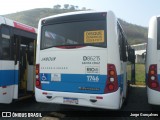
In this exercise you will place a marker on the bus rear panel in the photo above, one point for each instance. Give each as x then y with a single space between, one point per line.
78 61
153 62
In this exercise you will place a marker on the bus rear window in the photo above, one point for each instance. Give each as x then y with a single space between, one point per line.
85 33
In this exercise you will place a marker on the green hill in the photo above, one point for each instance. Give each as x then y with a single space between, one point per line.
31 17
135 34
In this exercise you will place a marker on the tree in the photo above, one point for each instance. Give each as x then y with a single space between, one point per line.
72 7
76 7
56 6
66 6
84 8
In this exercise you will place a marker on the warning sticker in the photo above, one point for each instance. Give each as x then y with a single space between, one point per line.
94 36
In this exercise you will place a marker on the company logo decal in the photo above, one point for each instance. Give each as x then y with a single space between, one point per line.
89 88
92 69
91 60
48 59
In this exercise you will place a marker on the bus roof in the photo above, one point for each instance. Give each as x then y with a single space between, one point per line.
18 25
157 16
74 13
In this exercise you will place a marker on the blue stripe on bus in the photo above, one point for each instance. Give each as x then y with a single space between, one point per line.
74 83
120 82
159 78
8 77
78 78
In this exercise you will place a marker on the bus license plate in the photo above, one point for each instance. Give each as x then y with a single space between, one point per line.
70 100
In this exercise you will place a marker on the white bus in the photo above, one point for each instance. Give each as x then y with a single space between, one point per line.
153 62
81 60
17 56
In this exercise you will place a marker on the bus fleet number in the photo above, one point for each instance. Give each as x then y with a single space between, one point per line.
92 78
91 58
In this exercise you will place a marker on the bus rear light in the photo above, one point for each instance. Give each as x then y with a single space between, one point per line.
154 84
152 72
152 80
110 87
111 72
4 86
112 79
99 97
38 82
4 93
44 93
37 71
153 77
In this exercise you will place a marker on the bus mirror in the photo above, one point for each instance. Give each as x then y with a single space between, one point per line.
131 55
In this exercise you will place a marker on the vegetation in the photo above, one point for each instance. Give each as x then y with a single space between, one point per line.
139 73
135 34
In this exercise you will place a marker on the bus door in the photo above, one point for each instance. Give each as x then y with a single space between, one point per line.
22 70
25 59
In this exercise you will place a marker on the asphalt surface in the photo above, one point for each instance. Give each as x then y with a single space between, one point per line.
136 104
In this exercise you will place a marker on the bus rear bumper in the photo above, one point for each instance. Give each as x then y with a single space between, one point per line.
104 101
153 96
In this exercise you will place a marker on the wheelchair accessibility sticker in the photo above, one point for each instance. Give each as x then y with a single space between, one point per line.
45 77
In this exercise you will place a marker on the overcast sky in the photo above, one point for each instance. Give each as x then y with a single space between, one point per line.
136 11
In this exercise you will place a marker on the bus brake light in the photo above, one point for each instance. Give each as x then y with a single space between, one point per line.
153 78
154 85
38 82
112 79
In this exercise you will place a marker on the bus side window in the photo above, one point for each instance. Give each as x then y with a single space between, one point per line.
122 45
5 44
5 49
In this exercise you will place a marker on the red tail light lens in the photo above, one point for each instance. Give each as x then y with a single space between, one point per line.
153 78
112 79
38 82
111 87
154 85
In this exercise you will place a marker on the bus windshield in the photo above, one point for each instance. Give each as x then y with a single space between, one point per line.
82 33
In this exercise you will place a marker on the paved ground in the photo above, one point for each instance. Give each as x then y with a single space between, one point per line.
136 104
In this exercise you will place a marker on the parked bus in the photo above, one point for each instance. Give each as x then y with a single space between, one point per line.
17 56
153 61
81 60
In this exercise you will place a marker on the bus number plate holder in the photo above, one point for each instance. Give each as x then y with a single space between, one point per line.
70 100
